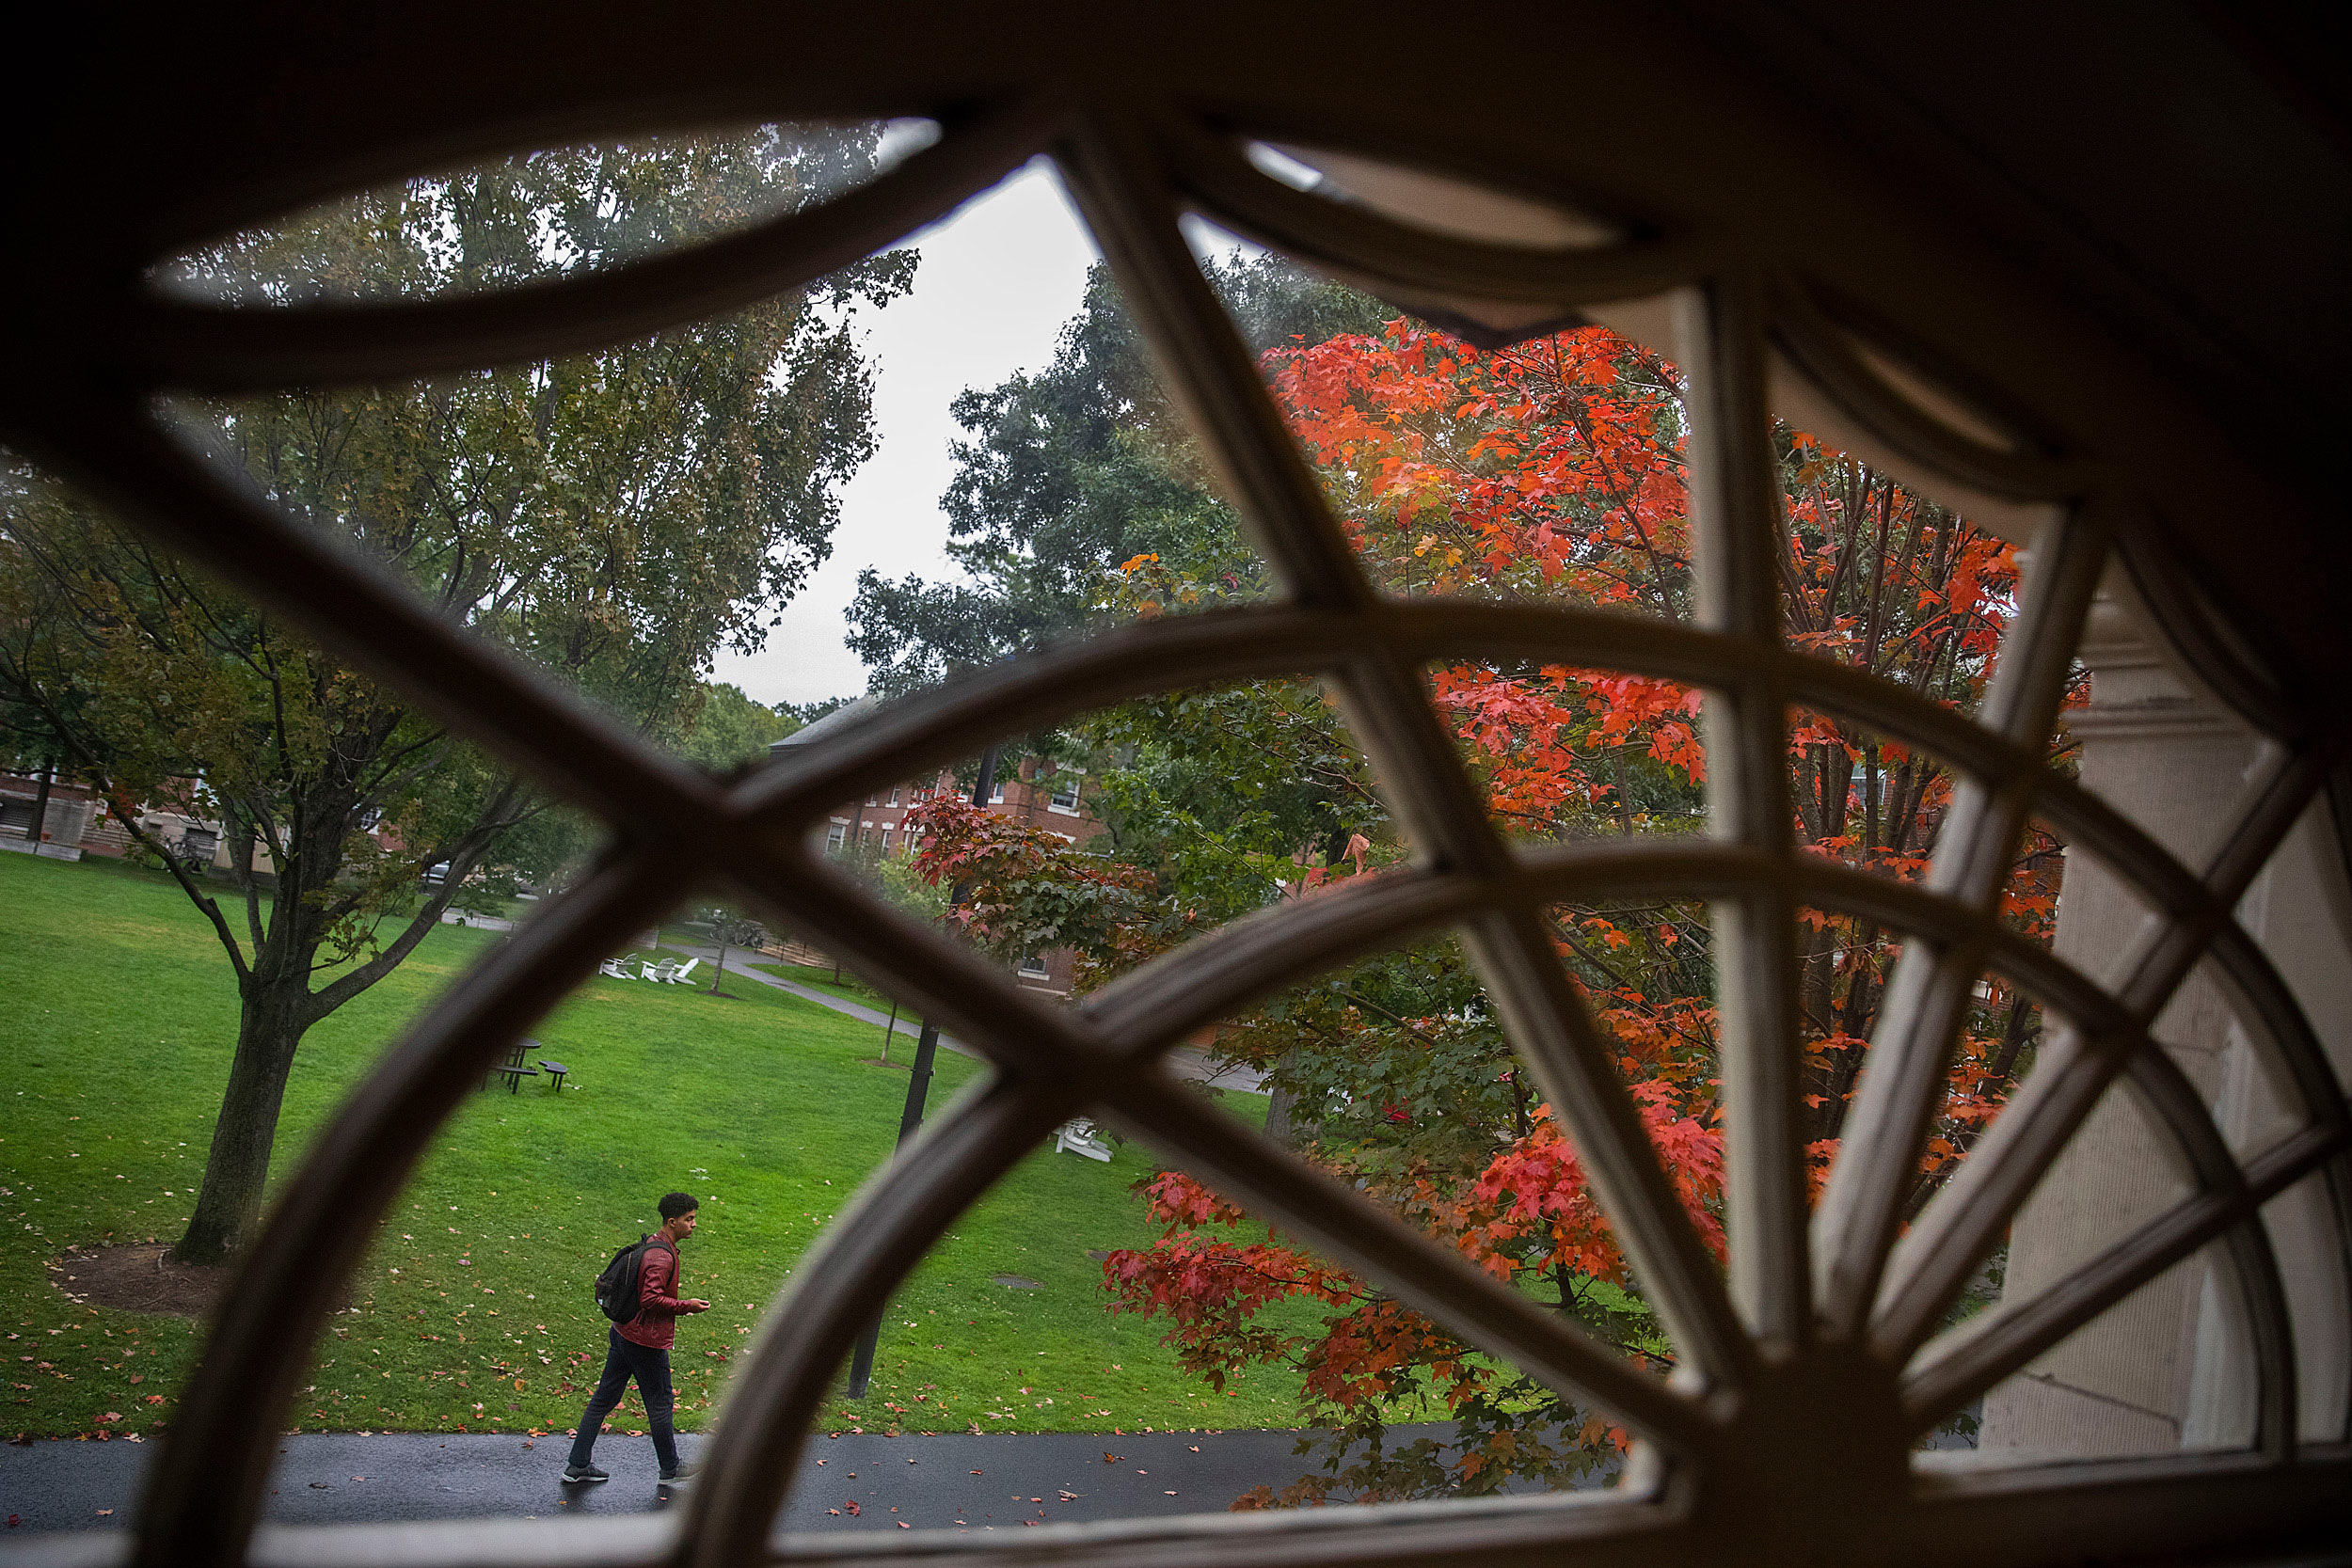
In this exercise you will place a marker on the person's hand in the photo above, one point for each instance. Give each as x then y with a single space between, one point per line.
692 1306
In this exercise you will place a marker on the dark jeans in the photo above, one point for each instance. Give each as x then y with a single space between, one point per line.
651 1369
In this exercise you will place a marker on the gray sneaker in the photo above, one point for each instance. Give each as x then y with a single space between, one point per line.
584 1472
682 1474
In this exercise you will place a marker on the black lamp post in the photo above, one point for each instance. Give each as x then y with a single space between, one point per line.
918 1089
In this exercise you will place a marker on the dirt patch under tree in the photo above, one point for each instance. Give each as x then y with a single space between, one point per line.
141 1278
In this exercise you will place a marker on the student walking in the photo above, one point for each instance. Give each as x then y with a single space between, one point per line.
640 1340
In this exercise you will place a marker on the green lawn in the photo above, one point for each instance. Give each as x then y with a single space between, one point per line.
817 978
473 1311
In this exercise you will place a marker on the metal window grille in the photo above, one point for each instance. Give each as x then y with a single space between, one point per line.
1810 1370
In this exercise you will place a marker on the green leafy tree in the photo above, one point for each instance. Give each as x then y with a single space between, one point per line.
731 730
1068 473
615 517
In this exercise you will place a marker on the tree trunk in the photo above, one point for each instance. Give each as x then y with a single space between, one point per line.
41 804
270 1024
1284 1123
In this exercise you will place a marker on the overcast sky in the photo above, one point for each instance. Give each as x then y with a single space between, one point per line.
995 284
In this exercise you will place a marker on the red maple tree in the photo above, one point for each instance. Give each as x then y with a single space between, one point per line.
1551 469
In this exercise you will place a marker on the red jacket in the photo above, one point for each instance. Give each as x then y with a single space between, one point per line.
656 1323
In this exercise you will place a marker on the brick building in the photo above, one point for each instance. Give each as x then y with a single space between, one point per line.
1049 796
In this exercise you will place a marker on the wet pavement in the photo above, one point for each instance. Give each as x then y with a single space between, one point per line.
1004 1480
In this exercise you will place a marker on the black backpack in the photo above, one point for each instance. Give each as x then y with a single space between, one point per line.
617 1287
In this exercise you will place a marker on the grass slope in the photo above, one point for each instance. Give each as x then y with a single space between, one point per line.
473 1311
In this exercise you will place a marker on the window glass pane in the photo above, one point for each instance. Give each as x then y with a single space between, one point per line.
538 215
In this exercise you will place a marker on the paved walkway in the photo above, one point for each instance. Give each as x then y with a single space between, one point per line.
1187 1062
1000 1481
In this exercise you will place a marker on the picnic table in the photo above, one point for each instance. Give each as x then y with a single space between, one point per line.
513 1069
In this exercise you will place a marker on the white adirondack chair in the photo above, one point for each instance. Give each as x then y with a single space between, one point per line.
661 971
611 967
678 973
1078 1138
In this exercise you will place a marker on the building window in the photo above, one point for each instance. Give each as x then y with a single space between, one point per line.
835 836
997 793
894 795
885 835
1889 1279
